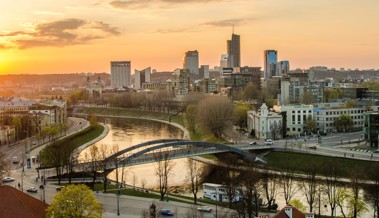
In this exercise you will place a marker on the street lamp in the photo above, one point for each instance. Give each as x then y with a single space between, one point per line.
216 200
118 200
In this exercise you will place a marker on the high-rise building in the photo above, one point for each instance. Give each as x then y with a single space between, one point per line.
234 51
282 68
225 61
271 58
141 76
191 62
120 74
204 71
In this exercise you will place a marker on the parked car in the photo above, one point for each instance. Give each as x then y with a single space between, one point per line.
269 142
32 189
312 147
14 160
253 143
167 212
8 179
58 188
204 209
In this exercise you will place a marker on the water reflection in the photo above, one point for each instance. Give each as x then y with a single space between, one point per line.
128 132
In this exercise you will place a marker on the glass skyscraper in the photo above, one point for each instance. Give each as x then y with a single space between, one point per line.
234 51
271 58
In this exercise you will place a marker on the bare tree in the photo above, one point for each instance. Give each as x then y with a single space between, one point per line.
356 176
134 180
331 184
104 163
269 184
195 174
94 159
309 184
373 190
215 114
163 169
143 183
249 183
287 181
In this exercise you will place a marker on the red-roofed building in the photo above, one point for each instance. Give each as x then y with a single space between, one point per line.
292 212
17 204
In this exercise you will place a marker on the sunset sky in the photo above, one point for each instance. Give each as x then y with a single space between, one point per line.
70 36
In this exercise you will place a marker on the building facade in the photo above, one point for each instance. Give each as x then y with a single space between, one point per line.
282 68
296 115
265 124
270 62
191 62
120 74
140 77
181 81
371 129
234 50
325 118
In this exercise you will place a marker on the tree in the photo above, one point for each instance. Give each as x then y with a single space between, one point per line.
240 114
344 123
331 184
287 181
249 183
215 114
350 104
309 184
307 97
373 190
269 184
298 205
3 166
92 120
163 169
190 117
310 124
356 204
251 91
195 173
75 201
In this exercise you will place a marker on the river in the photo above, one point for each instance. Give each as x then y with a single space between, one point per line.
128 132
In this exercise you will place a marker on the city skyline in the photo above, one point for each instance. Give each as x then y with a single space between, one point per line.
84 36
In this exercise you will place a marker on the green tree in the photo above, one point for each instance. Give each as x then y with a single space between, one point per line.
92 120
344 123
310 124
75 201
298 205
240 114
307 97
350 104
251 91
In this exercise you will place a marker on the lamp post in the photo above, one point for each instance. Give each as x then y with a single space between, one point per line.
118 200
216 200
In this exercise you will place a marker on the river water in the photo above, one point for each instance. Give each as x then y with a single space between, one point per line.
128 132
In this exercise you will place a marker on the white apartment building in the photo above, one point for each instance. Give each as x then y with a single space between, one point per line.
325 117
264 124
296 115
120 74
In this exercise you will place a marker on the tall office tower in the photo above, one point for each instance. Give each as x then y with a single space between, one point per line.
141 76
204 71
282 68
120 74
191 62
225 61
271 58
234 50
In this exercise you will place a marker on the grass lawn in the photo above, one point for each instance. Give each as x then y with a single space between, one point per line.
135 114
299 161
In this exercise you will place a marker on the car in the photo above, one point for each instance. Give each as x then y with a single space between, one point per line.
59 188
312 147
15 160
269 142
32 189
8 179
167 212
253 143
376 151
205 209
